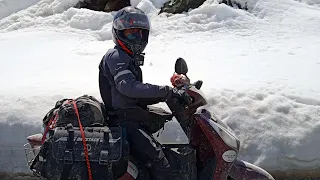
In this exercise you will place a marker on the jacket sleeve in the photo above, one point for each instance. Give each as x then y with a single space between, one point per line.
126 82
144 102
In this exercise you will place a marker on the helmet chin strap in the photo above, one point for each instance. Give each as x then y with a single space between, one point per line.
124 47
138 58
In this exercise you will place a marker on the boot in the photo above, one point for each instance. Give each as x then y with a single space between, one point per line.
159 170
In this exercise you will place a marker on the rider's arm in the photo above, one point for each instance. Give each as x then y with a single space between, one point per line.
143 102
126 82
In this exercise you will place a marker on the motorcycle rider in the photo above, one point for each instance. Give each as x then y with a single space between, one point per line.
121 87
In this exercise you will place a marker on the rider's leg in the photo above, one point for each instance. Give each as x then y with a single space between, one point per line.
145 148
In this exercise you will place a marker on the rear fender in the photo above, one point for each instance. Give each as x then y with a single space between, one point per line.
32 148
35 140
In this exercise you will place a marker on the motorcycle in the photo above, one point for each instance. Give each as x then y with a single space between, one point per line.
211 153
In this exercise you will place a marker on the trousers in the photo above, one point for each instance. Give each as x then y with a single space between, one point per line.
143 146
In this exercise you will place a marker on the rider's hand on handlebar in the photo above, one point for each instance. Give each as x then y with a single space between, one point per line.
178 80
179 94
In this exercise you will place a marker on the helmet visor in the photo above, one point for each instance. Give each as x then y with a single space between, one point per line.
129 21
135 35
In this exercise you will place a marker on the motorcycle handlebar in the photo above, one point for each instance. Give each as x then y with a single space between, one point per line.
185 87
187 99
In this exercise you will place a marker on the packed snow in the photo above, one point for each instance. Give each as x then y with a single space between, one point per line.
8 7
260 70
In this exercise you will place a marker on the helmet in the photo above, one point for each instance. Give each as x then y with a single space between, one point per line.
135 19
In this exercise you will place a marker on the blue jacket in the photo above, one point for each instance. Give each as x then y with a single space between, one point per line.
120 82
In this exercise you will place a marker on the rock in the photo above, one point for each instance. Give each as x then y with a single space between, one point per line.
172 6
115 5
234 3
179 6
175 6
103 5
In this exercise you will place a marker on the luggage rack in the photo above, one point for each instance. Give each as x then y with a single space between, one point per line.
32 148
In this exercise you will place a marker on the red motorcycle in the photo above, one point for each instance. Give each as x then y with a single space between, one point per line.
210 155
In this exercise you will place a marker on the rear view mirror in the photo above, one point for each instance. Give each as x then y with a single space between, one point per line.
181 66
198 84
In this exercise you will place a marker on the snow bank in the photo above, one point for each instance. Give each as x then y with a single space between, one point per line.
20 117
8 7
13 137
311 2
276 130
59 14
249 4
156 3
55 14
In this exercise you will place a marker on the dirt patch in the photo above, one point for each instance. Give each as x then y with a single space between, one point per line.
296 174
17 176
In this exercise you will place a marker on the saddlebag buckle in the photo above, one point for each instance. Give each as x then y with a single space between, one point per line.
104 157
68 157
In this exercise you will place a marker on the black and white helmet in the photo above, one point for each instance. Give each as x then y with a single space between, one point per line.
131 18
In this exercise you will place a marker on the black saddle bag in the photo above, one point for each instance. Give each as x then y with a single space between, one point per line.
62 156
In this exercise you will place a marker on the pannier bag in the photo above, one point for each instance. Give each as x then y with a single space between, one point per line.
62 155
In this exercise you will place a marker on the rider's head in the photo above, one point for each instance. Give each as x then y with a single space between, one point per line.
130 30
